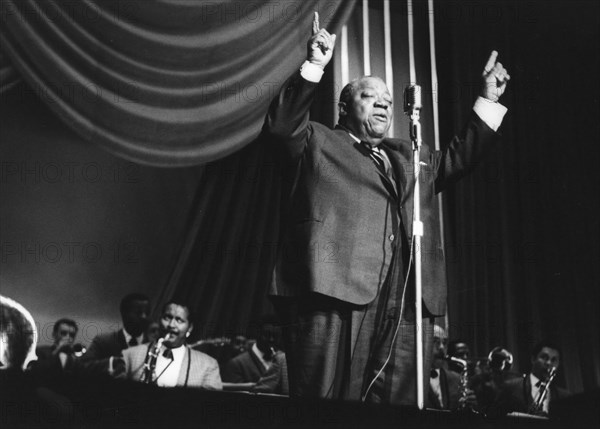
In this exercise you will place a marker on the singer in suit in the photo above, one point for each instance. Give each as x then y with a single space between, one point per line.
177 364
344 250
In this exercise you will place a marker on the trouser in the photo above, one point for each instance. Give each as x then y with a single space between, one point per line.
337 350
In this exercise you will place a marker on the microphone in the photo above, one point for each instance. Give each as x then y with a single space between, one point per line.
412 99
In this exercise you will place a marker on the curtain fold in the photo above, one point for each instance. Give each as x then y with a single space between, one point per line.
164 83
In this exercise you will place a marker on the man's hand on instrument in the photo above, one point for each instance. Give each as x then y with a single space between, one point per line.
320 45
495 78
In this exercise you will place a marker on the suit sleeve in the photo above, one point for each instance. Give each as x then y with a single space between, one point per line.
212 378
232 373
95 359
464 153
287 122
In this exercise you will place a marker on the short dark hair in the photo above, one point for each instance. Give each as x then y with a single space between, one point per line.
451 347
181 304
537 348
128 300
64 321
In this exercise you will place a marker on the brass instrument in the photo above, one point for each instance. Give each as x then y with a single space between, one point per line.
537 406
148 374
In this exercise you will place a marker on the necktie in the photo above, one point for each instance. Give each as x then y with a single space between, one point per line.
133 342
380 160
168 354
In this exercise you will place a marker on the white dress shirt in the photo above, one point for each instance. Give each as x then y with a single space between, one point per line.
167 369
261 356
535 391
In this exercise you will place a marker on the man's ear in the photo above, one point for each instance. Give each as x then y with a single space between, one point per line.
342 108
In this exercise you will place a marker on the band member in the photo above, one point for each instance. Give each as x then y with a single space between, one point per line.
169 361
535 392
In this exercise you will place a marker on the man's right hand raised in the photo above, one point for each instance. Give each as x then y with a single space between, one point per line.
320 45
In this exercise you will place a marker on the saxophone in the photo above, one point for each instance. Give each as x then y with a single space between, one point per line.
464 382
148 374
537 406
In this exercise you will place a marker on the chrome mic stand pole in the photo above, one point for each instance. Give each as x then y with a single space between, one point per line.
412 107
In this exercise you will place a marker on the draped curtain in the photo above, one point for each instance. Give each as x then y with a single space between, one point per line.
161 82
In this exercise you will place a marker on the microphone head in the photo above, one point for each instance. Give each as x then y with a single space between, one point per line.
412 99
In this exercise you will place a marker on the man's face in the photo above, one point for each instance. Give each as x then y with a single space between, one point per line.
175 322
135 319
65 334
368 113
461 351
545 359
267 340
440 341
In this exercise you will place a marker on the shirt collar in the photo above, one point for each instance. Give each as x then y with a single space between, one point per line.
178 352
260 355
128 337
534 381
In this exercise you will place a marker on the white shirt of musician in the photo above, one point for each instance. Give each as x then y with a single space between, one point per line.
535 391
261 356
167 369
128 337
434 384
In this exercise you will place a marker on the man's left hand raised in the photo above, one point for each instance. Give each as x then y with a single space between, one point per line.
495 78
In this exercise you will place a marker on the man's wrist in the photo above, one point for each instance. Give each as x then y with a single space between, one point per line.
311 72
490 112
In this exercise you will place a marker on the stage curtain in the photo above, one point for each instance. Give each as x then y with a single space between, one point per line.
521 244
161 82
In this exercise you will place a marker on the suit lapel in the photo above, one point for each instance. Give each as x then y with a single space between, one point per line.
385 180
183 371
121 340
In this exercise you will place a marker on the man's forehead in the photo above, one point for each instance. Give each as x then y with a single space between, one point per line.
371 82
549 351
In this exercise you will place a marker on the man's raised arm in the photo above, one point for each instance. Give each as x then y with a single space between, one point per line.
288 115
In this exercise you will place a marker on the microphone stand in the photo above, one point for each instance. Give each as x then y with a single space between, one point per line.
415 137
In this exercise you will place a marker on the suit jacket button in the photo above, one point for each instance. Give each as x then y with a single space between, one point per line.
391 237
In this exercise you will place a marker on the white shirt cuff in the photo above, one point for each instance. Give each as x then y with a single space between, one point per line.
490 112
311 72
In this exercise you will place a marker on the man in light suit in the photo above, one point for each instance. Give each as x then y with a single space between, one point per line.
345 244
176 363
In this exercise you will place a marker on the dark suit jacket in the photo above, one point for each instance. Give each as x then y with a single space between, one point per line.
103 346
244 368
275 379
197 369
450 388
515 395
343 214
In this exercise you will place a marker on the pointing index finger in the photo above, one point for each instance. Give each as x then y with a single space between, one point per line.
315 25
491 61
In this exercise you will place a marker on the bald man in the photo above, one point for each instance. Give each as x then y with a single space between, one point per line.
341 279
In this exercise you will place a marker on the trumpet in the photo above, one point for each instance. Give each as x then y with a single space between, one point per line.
148 374
537 406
